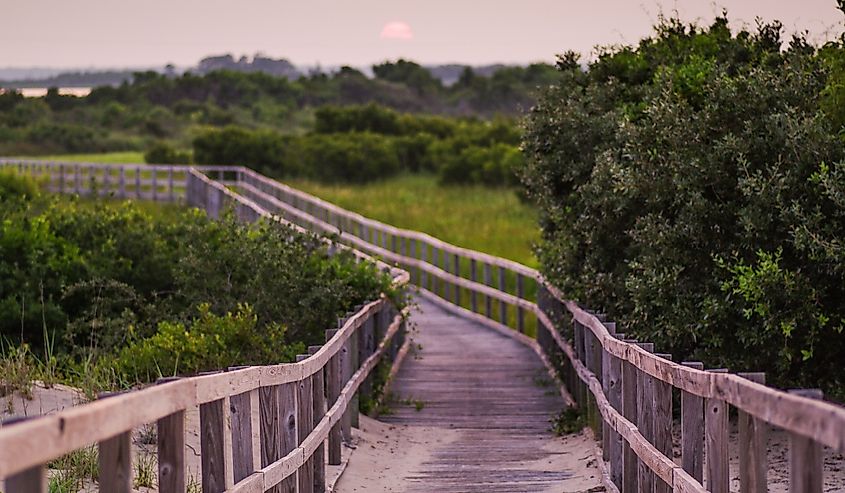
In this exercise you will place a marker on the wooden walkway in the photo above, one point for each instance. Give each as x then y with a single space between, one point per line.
495 390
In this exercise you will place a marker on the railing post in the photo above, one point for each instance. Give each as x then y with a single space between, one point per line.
424 258
305 420
503 307
716 443
171 192
319 403
122 182
77 180
663 423
520 312
447 286
240 414
473 275
753 463
457 273
333 379
692 430
806 456
170 444
629 411
138 194
115 459
612 380
413 254
645 420
213 455
488 301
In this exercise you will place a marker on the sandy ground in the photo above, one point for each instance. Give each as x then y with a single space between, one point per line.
387 454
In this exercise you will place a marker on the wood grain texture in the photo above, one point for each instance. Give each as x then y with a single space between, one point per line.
502 414
240 408
716 444
212 428
692 431
115 460
753 460
806 457
305 423
170 444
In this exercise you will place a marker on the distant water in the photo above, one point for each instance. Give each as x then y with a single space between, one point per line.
40 92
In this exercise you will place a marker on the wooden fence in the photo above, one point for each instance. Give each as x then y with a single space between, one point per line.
625 388
262 428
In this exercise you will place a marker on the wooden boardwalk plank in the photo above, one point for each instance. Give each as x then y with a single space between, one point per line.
494 389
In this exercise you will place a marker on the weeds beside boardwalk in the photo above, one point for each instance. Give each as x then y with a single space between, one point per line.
491 220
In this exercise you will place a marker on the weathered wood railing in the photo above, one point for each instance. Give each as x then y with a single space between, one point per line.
262 428
626 389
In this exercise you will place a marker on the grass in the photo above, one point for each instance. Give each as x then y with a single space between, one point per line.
486 219
123 157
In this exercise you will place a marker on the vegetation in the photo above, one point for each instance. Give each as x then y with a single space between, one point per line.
691 187
365 143
108 295
477 217
156 109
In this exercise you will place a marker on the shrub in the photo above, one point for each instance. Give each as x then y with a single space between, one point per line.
680 182
162 153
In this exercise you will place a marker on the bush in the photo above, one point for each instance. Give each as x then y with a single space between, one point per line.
162 153
210 342
94 284
680 184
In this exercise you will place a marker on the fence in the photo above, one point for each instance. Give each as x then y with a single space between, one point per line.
264 428
626 389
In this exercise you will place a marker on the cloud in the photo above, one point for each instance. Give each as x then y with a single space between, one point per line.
397 30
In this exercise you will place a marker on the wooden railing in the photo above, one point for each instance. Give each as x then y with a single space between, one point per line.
262 428
626 390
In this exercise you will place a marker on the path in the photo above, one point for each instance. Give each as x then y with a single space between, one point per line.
475 408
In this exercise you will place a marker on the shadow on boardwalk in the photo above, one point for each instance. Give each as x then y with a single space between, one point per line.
472 413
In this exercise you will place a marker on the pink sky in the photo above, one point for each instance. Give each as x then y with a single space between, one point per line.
119 33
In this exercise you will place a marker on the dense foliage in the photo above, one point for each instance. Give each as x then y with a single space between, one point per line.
144 295
157 108
691 186
364 143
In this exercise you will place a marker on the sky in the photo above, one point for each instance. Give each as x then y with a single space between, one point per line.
152 33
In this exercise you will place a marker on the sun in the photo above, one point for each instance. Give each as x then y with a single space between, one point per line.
397 30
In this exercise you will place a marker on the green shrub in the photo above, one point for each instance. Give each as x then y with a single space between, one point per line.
209 342
683 191
162 153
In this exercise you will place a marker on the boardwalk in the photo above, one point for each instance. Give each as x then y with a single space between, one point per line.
492 389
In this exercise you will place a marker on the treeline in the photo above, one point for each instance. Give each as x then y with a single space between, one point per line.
692 187
155 107
364 143
106 295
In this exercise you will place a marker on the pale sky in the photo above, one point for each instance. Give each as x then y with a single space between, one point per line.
136 33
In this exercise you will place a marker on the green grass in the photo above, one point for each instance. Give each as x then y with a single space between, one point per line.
124 157
486 219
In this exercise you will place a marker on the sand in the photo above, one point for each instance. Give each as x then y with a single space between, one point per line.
387 454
